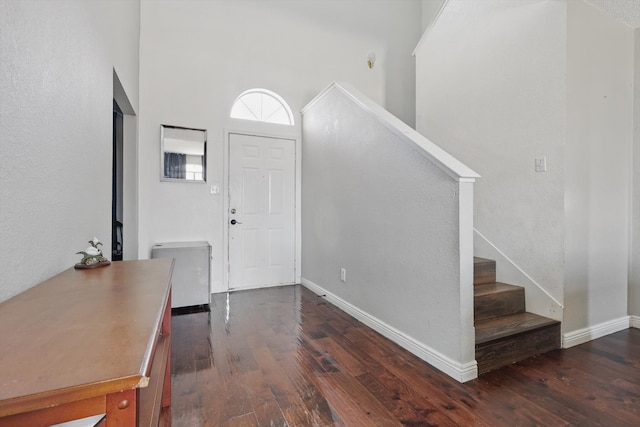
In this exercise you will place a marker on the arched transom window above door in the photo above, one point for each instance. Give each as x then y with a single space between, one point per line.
262 105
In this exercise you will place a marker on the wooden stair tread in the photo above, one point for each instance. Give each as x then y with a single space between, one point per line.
508 326
493 287
505 332
496 299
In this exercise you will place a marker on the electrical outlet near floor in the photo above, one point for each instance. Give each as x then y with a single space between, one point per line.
343 274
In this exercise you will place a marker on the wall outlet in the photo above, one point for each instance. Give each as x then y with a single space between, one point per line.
541 164
343 274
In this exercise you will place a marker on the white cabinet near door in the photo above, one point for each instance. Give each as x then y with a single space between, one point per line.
190 284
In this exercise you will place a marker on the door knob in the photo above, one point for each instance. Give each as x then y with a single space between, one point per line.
234 222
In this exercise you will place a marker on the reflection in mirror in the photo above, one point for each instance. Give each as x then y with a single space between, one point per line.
183 154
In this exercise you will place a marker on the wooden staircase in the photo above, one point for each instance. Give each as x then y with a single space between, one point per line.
505 332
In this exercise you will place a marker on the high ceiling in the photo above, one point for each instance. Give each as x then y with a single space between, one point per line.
627 11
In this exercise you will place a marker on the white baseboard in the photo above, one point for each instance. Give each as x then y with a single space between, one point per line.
581 336
459 371
634 321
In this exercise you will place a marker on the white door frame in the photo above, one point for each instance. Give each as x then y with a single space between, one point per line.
292 134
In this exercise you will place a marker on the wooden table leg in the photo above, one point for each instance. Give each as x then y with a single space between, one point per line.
166 330
166 388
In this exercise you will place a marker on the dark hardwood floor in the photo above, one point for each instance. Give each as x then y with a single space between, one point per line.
285 357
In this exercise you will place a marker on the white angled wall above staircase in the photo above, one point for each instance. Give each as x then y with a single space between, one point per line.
502 83
491 91
395 211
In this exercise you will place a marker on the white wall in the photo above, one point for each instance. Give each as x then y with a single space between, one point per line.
376 206
491 91
118 23
197 57
500 83
634 266
598 166
430 9
56 91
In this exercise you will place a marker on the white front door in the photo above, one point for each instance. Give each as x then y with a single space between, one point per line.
261 211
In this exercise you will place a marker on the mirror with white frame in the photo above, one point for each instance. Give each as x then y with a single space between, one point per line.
183 154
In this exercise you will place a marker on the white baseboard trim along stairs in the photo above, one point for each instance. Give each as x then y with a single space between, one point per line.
460 372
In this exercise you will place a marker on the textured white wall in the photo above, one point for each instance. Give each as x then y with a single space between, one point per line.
430 9
491 91
634 270
376 206
56 90
197 57
500 83
598 166
117 22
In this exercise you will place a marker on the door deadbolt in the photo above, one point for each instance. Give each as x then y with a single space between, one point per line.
233 210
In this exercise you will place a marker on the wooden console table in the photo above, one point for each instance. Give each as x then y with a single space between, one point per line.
88 342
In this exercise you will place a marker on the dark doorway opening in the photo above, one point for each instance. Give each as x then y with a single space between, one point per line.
117 187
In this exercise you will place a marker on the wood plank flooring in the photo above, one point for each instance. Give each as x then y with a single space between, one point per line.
286 357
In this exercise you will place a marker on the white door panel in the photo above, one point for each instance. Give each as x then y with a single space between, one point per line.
262 205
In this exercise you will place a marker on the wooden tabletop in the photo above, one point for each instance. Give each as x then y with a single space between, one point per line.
80 334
